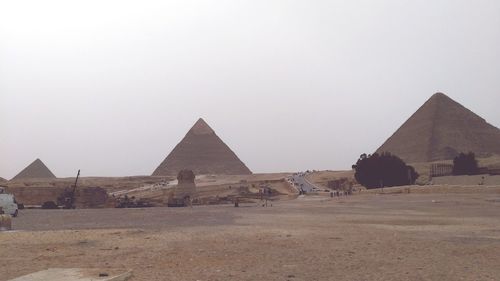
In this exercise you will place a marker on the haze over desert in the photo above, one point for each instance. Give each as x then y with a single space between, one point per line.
249 140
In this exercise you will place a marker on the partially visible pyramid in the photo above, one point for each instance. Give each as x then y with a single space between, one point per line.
203 152
441 129
36 170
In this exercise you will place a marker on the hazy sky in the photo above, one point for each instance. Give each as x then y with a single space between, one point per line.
110 87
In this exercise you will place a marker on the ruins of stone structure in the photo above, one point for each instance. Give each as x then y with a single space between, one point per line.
86 197
441 170
440 130
344 184
203 152
35 170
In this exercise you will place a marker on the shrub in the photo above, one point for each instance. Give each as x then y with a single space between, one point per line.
381 170
465 164
49 205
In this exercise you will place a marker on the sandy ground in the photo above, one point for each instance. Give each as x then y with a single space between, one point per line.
486 180
321 178
363 237
119 183
155 190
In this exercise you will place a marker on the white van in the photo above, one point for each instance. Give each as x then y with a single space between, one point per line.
8 204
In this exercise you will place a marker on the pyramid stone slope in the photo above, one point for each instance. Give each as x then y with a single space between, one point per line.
36 170
441 129
203 152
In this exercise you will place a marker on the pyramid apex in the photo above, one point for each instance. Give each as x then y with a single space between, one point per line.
440 101
201 121
201 128
439 95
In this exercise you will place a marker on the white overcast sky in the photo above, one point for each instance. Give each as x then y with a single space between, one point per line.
110 87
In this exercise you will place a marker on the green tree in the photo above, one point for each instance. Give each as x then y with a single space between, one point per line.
383 170
465 164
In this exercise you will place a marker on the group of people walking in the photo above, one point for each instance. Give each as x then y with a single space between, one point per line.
338 193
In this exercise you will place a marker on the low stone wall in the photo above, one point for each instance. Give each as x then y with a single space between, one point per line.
467 180
35 195
86 197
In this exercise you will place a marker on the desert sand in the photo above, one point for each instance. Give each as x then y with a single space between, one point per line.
368 236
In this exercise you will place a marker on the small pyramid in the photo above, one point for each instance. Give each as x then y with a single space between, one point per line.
203 152
36 170
440 130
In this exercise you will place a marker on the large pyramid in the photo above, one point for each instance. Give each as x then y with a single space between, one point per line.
36 170
203 152
441 129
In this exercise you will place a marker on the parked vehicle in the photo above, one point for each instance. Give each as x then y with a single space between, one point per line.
8 204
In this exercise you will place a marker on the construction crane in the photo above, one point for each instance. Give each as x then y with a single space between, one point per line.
67 198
